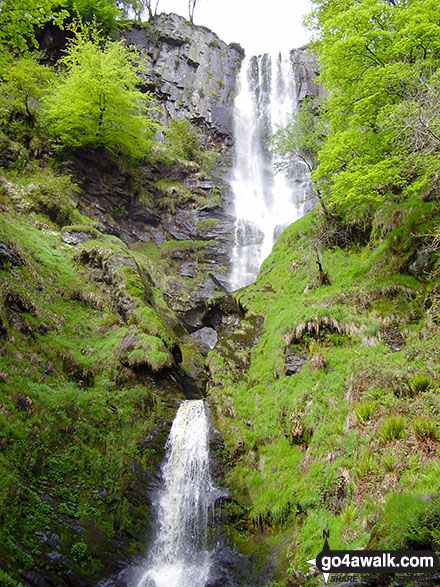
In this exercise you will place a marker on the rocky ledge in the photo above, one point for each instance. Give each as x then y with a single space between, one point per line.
189 68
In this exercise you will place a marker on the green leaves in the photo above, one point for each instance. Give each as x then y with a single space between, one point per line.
20 19
301 138
380 62
96 102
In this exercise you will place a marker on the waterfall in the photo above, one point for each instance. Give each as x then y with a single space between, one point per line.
265 202
180 555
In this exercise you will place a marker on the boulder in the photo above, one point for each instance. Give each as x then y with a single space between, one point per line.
206 338
75 237
294 361
9 256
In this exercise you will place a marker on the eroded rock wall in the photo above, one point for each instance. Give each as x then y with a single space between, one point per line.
190 69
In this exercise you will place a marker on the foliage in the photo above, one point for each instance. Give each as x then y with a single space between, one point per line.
392 428
365 410
24 82
138 8
104 12
424 428
379 62
410 520
301 138
336 440
191 8
182 139
20 21
96 102
420 382
81 424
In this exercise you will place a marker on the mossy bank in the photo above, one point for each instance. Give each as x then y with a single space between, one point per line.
328 392
92 366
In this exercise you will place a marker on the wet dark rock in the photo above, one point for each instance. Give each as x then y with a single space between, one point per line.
189 270
3 329
307 69
189 68
9 256
421 264
294 361
10 151
54 540
206 338
55 555
33 579
231 569
393 338
128 343
18 303
158 236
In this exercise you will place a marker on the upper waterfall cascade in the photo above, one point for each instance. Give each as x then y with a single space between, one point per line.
265 202
181 555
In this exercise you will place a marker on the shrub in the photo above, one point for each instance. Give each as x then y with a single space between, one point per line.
364 410
24 83
79 551
183 139
52 197
96 102
365 463
424 428
420 383
392 428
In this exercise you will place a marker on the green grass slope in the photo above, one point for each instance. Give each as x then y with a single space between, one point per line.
331 420
91 360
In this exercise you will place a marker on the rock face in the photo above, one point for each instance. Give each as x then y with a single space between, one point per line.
189 68
306 67
179 208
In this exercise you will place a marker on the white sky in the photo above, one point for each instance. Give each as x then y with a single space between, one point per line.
259 26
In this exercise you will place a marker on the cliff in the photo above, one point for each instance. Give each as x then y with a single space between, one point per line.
190 70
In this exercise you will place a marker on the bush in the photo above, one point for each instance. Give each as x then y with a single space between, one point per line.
183 139
364 410
80 551
24 83
420 383
51 196
392 428
96 102
424 428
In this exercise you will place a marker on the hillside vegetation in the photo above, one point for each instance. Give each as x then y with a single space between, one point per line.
328 393
330 406
325 380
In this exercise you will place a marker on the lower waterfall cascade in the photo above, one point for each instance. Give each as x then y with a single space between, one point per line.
181 555
265 202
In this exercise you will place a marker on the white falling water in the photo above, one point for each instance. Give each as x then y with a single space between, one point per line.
180 555
265 202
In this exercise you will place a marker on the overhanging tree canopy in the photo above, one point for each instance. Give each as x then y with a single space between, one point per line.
96 102
380 62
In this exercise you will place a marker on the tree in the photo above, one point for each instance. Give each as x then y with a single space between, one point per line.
104 12
378 60
138 8
24 82
96 102
191 8
21 19
301 140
